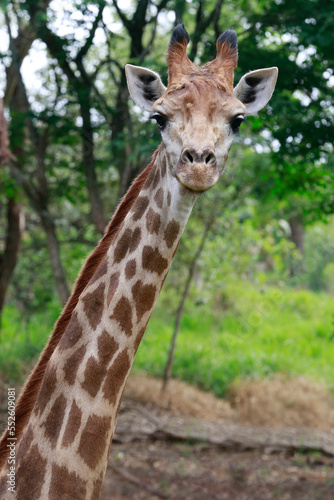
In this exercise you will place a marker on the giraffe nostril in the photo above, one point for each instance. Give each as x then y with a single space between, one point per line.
189 156
211 158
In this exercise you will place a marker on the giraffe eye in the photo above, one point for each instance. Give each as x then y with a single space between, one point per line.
236 122
160 119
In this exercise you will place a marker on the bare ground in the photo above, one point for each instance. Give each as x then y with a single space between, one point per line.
271 439
275 441
183 471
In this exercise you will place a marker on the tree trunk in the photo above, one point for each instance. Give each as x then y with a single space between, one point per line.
82 85
297 232
15 225
297 237
88 160
37 197
56 265
119 128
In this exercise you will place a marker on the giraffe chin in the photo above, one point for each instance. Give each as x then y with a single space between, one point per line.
197 179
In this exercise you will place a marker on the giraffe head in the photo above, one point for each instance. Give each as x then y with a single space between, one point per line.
199 112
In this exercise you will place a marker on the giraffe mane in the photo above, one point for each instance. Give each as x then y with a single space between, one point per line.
30 391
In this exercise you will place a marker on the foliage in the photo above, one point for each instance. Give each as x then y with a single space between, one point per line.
22 339
231 329
79 142
318 263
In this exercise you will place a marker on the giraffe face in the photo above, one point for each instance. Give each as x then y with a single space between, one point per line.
199 112
198 122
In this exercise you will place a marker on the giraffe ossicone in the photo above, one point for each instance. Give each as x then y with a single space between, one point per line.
67 411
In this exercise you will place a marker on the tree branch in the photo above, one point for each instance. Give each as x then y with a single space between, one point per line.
15 82
202 24
84 49
27 187
122 17
140 13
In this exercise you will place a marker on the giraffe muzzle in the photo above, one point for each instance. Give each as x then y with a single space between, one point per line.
197 170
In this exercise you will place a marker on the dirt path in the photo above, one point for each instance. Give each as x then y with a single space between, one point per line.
194 472
180 471
157 455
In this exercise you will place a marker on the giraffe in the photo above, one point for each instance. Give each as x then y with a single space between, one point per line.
67 412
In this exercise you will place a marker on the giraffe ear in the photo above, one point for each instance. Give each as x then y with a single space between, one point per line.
256 88
145 86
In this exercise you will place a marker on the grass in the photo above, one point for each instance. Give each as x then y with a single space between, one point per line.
22 341
261 333
240 332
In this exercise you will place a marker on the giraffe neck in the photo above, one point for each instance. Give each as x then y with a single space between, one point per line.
64 448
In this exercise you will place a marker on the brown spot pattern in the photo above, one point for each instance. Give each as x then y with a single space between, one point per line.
107 346
72 426
72 364
139 207
93 440
177 246
65 484
117 411
26 481
54 421
139 338
149 179
3 486
169 198
122 246
114 280
72 333
153 221
129 241
25 444
123 315
97 488
116 377
156 179
130 269
164 167
144 296
47 389
159 198
171 233
153 261
136 236
94 374
93 305
101 270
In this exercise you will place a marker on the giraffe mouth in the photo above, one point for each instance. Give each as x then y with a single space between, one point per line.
198 177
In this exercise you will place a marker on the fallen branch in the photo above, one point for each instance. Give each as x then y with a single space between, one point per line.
134 425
